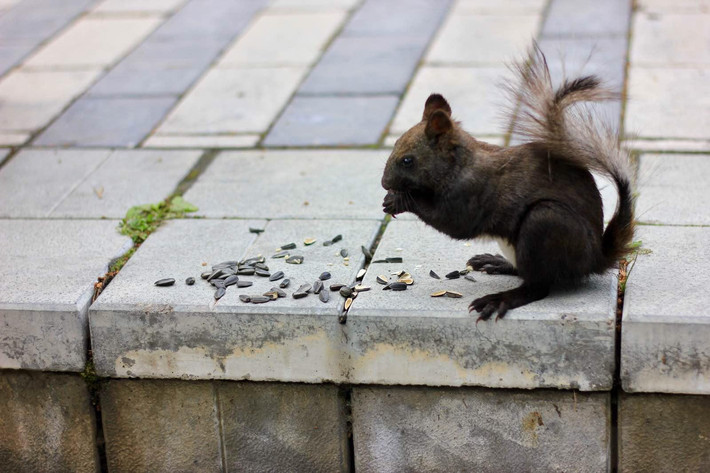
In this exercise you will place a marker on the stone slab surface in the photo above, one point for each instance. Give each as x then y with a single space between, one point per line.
47 423
397 18
444 430
665 338
675 146
137 6
408 337
674 189
234 101
202 141
334 121
127 80
180 331
660 106
165 426
664 433
587 17
671 39
283 427
293 184
681 6
34 21
106 122
501 6
13 138
10 55
48 274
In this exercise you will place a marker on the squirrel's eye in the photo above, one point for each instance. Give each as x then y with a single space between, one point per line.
407 161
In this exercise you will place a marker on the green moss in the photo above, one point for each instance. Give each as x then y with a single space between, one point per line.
142 220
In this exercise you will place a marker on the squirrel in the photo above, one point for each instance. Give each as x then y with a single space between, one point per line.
538 199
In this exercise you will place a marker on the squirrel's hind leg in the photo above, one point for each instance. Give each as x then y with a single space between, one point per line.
502 302
492 264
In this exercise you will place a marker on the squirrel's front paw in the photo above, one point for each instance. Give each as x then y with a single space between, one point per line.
391 204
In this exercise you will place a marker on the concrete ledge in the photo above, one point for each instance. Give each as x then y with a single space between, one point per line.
445 430
661 433
46 423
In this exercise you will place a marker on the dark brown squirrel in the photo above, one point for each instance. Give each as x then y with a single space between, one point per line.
539 197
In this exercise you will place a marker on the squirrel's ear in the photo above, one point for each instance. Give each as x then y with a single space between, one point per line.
438 123
433 103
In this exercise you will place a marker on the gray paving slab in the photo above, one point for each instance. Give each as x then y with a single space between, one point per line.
48 273
665 337
397 18
674 189
106 122
365 65
38 20
283 427
209 18
322 184
139 330
177 52
670 39
563 341
444 430
35 181
10 55
311 121
587 17
124 80
125 179
47 424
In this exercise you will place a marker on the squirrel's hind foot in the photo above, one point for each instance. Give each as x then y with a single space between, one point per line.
502 302
492 264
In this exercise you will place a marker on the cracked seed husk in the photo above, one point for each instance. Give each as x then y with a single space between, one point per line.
348 303
453 275
396 259
294 259
434 275
336 286
309 241
361 274
165 282
287 246
361 288
317 286
281 254
454 294
271 295
366 252
304 288
438 293
382 279
469 277
398 286
278 291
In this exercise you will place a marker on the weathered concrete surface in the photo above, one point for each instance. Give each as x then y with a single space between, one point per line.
445 430
408 337
292 184
47 275
665 337
180 331
272 427
659 433
46 423
160 426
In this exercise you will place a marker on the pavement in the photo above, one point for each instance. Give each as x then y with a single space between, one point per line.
278 116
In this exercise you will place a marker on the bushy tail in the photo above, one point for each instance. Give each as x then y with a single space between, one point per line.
574 135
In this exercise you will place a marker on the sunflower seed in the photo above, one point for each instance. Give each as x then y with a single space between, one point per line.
378 261
324 296
309 241
469 277
219 293
366 252
361 274
464 272
165 282
246 271
244 298
284 284
337 238
324 276
434 275
294 259
225 264
255 230
454 294
398 286
259 299
215 274
262 272
244 283
206 274
346 291
261 266
327 243
231 280
278 291
287 246
281 254
382 279
396 259
361 288
317 286
453 275
336 286
190 281
271 295
253 260
304 288
408 281
348 303
299 295
344 252
276 276
438 293
217 282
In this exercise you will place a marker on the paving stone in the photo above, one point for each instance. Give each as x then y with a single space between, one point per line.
443 430
292 184
48 273
563 341
125 80
483 39
202 141
474 94
36 181
94 42
174 53
283 427
125 179
665 345
184 333
137 6
663 433
397 18
219 19
365 65
106 122
313 4
678 146
587 17
160 426
661 106
681 6
674 189
10 56
313 121
234 101
9 138
37 20
47 423
3 154
29 100
283 39
486 7
671 39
